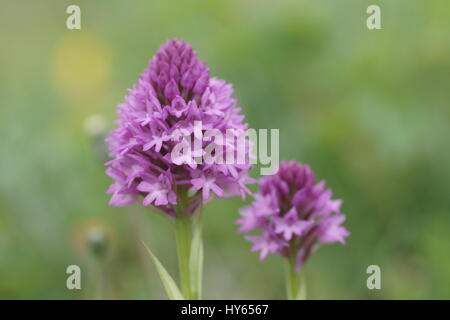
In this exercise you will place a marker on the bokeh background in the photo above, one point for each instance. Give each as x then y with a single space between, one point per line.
369 111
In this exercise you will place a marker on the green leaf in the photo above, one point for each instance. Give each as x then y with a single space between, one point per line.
196 257
171 288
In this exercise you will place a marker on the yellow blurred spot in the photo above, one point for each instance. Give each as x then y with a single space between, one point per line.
80 65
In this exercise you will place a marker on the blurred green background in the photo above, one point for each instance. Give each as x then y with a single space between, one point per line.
368 110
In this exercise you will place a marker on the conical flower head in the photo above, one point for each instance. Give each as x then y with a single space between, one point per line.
176 71
294 213
171 107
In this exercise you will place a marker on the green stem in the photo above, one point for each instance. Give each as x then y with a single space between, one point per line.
295 281
183 230
292 279
196 258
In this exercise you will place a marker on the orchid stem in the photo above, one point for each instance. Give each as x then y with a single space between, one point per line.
296 289
291 279
196 258
183 225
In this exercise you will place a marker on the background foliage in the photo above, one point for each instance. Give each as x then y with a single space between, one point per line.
368 110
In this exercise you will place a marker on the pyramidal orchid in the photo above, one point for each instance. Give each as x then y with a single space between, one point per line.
172 96
295 215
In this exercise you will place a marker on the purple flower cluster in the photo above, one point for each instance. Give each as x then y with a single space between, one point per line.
294 213
172 94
